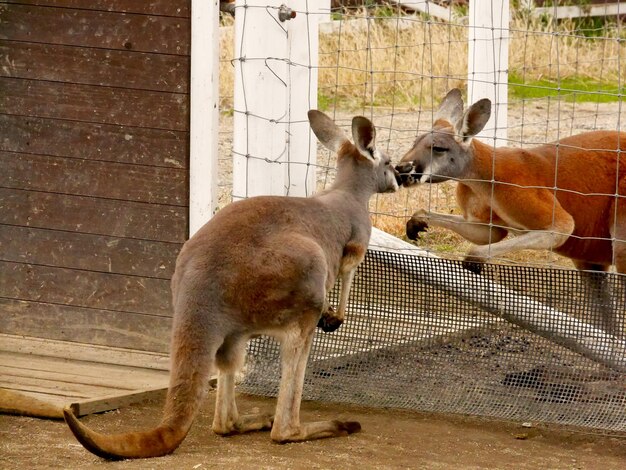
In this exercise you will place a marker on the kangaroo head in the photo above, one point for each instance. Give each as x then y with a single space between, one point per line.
445 152
360 160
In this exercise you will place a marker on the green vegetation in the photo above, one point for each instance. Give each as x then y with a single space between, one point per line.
324 102
578 89
570 89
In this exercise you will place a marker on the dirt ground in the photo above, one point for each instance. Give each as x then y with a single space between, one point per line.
389 439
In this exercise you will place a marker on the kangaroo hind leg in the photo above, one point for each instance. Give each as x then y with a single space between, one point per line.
601 297
227 420
295 347
618 232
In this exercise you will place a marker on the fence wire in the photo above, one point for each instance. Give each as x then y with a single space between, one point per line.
407 343
394 63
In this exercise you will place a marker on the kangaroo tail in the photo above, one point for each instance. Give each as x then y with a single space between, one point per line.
193 360
19 404
133 445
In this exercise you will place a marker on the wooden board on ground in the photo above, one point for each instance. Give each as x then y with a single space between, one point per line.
88 378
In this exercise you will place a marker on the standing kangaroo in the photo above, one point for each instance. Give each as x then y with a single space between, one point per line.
262 266
569 196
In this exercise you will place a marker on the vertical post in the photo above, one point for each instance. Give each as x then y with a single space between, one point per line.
260 101
204 113
488 59
303 47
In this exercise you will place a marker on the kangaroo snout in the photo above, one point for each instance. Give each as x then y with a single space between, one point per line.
407 174
397 176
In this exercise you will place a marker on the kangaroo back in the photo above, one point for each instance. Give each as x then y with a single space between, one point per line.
261 266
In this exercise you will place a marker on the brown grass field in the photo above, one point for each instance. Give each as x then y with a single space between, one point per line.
409 62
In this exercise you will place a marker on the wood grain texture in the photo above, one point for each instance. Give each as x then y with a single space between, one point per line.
93 215
93 178
36 384
88 252
93 28
90 66
67 323
97 104
81 372
179 8
40 377
91 141
71 351
100 404
94 150
87 289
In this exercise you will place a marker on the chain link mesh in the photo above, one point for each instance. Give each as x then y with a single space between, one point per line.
408 343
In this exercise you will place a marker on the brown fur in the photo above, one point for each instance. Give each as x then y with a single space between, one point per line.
568 196
16 403
262 266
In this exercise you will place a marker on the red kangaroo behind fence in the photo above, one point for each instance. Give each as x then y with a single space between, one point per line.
262 266
568 196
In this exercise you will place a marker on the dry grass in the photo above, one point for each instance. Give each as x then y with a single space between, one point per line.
378 63
408 64
557 51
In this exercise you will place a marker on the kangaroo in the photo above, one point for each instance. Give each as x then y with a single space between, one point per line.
568 196
17 403
262 266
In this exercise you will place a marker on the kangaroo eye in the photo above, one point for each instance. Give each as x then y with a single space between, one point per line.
439 149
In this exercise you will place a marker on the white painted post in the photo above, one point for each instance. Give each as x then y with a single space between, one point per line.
303 47
204 113
488 58
260 101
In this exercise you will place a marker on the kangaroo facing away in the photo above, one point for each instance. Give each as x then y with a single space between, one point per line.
569 196
262 266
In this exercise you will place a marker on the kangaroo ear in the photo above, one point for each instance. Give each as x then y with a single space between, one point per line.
364 135
474 119
326 130
451 108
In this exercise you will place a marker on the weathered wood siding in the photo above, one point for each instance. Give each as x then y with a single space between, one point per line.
94 139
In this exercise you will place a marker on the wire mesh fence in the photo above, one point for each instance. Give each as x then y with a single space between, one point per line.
545 345
394 62
408 343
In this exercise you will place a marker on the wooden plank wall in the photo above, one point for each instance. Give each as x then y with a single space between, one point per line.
94 139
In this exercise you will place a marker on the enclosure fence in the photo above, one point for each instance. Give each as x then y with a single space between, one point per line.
408 342
525 339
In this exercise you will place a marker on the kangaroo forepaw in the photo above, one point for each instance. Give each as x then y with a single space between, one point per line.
329 321
414 227
474 264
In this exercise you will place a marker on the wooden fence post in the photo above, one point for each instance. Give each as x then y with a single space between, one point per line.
303 50
204 113
274 151
260 101
488 63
